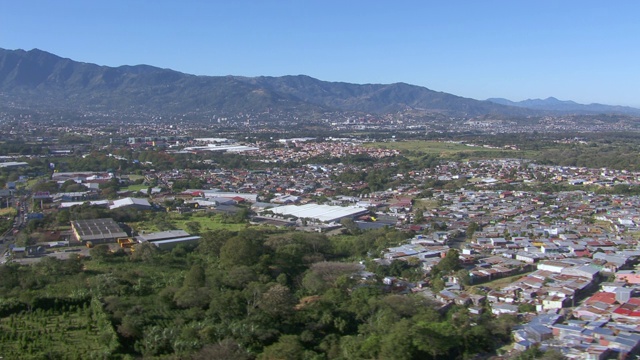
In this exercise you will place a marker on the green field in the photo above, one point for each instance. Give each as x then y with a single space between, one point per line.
426 204
136 187
416 148
502 282
206 222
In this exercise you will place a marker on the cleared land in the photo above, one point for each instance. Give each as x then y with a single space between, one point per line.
210 222
206 222
445 149
136 187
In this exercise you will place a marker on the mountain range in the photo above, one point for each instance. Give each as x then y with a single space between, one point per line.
566 106
39 79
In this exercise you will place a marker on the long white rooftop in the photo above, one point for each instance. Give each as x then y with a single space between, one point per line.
324 213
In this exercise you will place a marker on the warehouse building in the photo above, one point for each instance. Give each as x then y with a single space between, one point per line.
321 213
97 231
167 240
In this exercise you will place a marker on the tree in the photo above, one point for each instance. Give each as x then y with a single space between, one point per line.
240 250
193 292
471 229
277 301
323 275
463 277
435 338
288 347
419 216
63 217
45 186
450 263
195 278
131 327
144 252
212 241
398 342
100 252
350 225
193 227
239 276
437 284
227 349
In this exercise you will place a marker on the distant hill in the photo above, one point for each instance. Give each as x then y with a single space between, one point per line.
39 79
553 104
376 98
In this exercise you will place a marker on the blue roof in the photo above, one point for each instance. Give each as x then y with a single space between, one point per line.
603 331
538 329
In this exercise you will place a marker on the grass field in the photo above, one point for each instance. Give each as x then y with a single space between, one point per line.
426 204
207 222
500 283
445 149
136 187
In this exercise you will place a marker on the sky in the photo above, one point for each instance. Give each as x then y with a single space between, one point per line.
586 51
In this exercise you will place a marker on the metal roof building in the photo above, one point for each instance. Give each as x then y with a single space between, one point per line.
140 204
168 239
171 243
324 213
97 230
162 235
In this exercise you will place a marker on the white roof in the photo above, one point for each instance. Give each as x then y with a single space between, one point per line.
128 202
68 204
12 163
324 213
210 193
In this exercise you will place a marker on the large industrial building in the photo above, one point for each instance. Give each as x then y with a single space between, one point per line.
322 213
97 231
168 239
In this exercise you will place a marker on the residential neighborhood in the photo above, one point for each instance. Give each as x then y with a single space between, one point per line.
563 261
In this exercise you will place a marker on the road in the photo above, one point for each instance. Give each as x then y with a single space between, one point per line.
20 221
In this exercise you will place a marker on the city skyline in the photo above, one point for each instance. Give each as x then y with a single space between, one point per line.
582 51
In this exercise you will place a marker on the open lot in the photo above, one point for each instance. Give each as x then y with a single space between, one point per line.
445 149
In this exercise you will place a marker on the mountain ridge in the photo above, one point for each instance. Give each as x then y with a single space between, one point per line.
39 79
566 106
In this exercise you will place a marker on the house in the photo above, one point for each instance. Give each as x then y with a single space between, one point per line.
553 266
586 271
501 308
628 276
537 333
555 302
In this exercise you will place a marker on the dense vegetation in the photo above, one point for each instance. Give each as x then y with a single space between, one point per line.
239 295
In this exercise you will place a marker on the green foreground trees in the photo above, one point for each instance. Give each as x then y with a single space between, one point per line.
254 294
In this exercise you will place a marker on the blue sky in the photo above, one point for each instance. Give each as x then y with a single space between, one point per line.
586 51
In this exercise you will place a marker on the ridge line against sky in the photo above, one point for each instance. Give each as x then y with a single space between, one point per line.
585 51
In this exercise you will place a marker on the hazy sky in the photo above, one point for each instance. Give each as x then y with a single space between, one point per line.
586 51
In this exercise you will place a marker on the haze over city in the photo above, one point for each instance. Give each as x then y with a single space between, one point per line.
584 51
